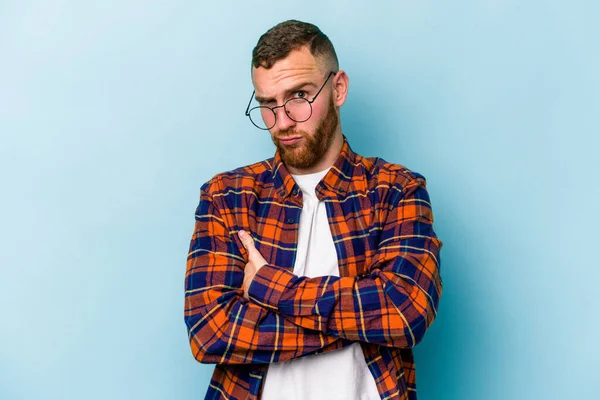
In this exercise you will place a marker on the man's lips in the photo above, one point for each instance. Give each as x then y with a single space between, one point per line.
289 140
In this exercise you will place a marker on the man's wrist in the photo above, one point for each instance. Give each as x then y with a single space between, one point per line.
268 285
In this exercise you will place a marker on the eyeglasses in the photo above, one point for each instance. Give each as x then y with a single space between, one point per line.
298 109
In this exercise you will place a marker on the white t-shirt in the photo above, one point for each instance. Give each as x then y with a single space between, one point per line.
337 375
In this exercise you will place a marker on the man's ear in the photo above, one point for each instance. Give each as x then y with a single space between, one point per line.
340 88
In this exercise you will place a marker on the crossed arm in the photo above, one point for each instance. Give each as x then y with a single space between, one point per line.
223 326
291 316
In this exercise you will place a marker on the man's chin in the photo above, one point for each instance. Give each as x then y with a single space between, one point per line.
296 158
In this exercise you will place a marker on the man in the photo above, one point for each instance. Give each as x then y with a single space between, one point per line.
312 274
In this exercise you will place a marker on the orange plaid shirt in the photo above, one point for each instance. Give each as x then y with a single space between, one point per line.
386 296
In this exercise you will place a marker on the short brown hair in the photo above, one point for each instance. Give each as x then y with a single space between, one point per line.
277 43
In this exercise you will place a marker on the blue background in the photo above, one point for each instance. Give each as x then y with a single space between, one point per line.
113 113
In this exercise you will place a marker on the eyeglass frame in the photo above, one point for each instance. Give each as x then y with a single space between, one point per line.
248 109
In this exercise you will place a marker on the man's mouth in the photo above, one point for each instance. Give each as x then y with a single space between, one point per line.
289 140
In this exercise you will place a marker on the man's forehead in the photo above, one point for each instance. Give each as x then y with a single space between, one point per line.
298 66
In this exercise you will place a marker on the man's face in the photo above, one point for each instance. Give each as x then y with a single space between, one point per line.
300 144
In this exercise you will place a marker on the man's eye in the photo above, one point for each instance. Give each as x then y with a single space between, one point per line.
300 94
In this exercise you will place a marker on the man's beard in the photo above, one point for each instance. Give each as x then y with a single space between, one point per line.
312 148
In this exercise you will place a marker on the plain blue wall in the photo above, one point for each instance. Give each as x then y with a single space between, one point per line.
113 113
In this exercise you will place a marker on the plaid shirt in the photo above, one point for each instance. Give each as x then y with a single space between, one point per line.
386 296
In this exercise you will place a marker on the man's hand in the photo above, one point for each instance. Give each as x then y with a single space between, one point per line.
255 260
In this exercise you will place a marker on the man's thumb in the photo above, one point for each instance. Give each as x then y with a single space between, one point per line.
247 240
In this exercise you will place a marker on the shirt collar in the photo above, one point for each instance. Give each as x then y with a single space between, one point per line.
336 182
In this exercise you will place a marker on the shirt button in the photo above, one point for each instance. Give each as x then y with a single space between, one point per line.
295 192
290 220
282 193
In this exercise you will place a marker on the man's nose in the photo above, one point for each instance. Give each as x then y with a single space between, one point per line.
282 120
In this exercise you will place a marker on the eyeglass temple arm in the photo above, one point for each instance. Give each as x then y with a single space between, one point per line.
324 83
250 102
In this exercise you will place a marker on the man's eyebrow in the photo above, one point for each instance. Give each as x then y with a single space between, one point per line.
287 92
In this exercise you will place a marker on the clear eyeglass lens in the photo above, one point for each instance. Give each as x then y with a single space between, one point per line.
262 117
298 109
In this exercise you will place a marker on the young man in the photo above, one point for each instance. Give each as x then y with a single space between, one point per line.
312 274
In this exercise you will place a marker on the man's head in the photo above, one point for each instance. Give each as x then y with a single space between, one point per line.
294 60
277 43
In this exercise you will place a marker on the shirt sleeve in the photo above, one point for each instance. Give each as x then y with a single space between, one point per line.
392 306
224 327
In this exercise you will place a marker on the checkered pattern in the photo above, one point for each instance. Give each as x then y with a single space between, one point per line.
386 296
